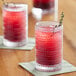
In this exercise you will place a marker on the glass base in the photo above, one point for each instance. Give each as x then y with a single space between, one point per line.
43 11
14 44
48 11
38 12
48 68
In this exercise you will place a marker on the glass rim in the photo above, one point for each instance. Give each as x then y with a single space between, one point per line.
41 25
15 7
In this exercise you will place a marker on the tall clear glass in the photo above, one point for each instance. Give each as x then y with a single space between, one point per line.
49 46
15 24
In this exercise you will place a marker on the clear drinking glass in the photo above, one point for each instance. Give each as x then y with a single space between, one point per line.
15 24
49 43
47 6
42 7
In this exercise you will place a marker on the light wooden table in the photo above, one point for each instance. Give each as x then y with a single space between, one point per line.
9 59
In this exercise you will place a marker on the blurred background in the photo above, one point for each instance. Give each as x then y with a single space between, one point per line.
69 23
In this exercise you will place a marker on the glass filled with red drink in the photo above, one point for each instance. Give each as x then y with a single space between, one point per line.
15 24
49 46
47 6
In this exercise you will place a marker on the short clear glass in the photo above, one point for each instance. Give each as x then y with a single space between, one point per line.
15 24
49 46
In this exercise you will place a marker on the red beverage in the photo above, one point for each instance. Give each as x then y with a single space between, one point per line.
44 4
48 46
15 23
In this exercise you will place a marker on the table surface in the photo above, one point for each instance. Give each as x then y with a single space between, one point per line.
9 59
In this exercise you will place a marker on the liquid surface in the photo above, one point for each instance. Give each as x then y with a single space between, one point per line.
44 4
